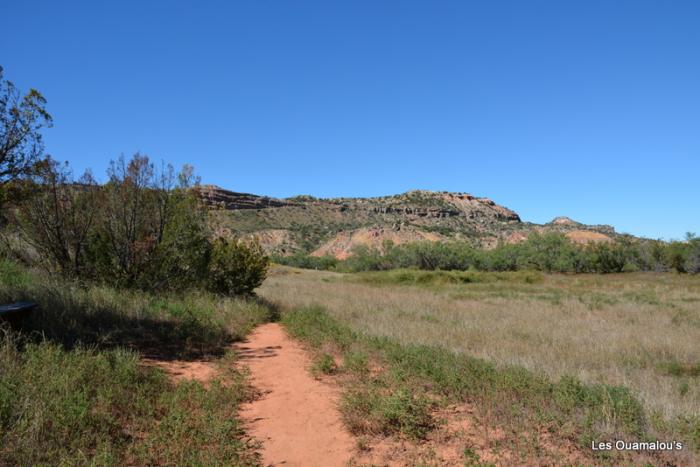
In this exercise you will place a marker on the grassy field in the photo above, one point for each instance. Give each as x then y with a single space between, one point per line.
73 389
635 331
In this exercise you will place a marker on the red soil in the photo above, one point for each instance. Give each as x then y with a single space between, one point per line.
296 419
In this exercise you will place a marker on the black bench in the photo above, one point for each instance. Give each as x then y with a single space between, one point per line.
14 313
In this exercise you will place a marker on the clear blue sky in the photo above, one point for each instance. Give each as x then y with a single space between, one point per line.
589 109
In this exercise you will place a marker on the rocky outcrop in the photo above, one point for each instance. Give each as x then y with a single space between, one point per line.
563 220
474 207
566 224
218 198
337 225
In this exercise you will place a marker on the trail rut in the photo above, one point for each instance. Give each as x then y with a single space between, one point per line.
296 418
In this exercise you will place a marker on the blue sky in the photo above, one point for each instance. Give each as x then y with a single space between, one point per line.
589 109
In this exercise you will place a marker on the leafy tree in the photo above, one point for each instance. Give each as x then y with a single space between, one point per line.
607 257
21 119
181 258
550 252
58 216
677 255
692 262
504 257
136 212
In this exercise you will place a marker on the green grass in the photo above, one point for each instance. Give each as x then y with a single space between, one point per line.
188 325
324 364
90 407
73 390
437 278
415 378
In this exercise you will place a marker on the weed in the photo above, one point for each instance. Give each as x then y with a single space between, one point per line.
472 459
374 409
356 362
325 364
678 369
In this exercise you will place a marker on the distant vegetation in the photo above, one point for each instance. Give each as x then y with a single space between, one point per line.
547 252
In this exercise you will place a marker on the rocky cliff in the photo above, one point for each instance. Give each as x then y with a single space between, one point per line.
335 226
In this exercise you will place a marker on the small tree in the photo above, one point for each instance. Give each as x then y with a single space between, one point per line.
58 216
236 267
692 262
153 234
21 119
181 257
550 252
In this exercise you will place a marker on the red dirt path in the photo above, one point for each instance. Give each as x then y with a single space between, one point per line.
296 418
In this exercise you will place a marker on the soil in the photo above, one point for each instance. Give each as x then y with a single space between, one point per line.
296 418
202 371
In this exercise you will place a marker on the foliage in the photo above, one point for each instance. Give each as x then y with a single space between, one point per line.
144 212
143 229
692 260
21 119
547 252
58 216
301 260
236 267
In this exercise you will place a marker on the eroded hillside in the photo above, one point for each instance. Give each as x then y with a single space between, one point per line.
335 226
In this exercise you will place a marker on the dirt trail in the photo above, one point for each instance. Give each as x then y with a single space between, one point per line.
296 418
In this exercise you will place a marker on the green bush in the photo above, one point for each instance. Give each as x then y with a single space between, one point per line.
692 261
302 260
143 229
548 252
181 259
236 267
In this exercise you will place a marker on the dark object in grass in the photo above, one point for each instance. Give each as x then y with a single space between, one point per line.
15 313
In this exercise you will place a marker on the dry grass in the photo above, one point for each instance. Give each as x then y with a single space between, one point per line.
637 330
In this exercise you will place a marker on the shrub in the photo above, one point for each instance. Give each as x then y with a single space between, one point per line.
180 260
549 252
610 257
692 262
236 267
302 260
